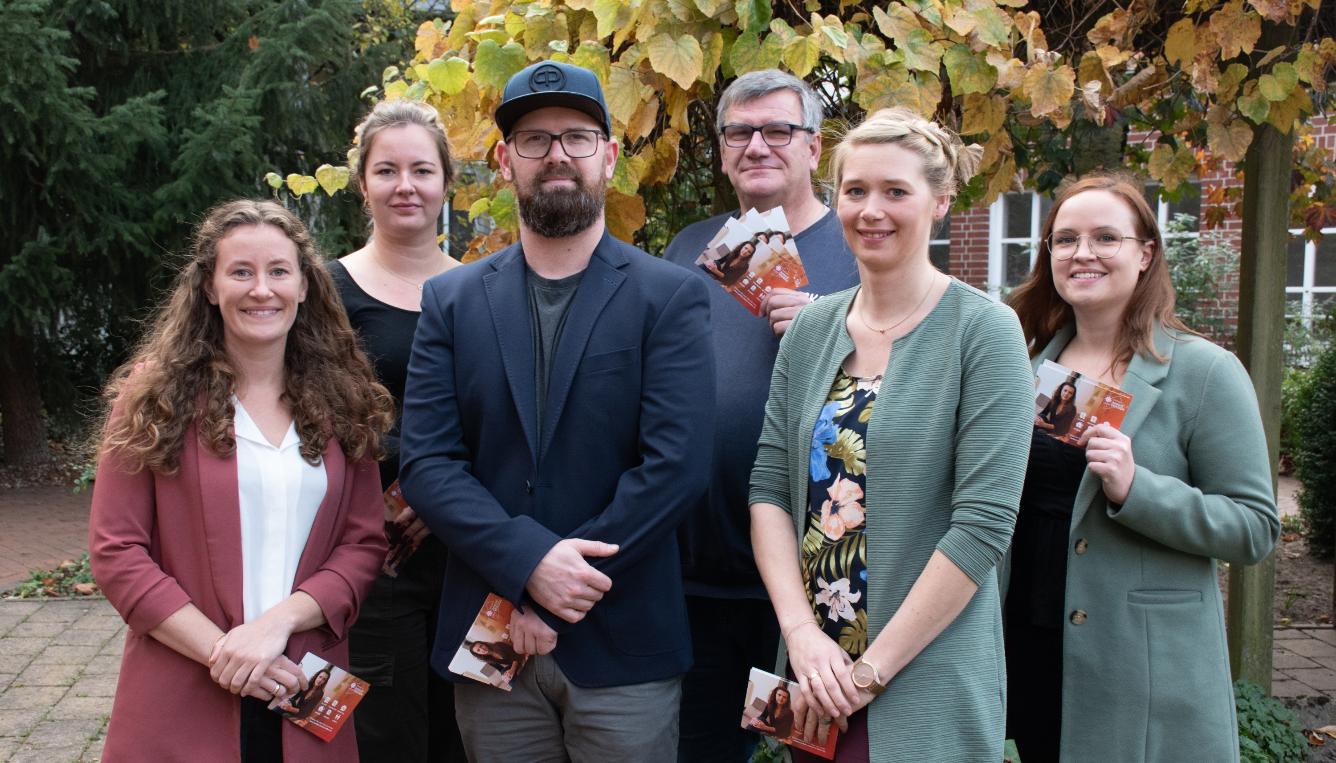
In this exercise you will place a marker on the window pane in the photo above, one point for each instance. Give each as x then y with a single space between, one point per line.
1152 193
1045 204
1017 263
1325 264
1189 204
1016 207
1294 261
940 256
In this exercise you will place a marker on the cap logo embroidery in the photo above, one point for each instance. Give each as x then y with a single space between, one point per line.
547 78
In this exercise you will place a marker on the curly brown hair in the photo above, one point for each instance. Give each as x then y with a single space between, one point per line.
180 374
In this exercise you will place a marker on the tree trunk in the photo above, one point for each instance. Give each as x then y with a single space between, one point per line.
21 415
1266 214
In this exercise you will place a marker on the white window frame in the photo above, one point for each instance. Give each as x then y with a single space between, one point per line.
1308 289
997 243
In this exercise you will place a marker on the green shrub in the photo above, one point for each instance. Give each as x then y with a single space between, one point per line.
1293 397
1268 731
1314 453
1197 265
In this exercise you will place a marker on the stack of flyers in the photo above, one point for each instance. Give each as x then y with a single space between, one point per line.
402 545
486 654
328 701
769 710
753 255
1067 403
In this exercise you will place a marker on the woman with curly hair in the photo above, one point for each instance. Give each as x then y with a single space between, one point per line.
236 518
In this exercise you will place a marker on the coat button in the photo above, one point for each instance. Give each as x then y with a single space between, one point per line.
1081 546
1078 616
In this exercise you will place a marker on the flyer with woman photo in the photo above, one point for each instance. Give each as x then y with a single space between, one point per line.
486 655
328 700
769 710
753 255
1067 403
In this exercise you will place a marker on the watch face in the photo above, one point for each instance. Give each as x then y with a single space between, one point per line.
864 676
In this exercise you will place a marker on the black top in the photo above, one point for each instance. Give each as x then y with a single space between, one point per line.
549 302
387 338
1061 420
1038 584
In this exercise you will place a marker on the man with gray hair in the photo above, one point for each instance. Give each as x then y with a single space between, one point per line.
769 127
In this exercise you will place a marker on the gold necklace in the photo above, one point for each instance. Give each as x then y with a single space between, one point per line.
375 255
882 332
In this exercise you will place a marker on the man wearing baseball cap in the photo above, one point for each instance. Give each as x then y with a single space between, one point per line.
557 425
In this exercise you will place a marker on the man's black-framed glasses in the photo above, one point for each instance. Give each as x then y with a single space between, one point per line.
1103 243
775 134
535 144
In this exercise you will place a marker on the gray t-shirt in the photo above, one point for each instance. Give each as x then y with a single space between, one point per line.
549 302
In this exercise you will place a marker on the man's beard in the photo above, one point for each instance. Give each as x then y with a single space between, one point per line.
559 212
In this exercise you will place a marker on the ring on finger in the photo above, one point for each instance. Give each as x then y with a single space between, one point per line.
815 675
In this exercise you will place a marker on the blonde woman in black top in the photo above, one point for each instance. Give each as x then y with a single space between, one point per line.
403 169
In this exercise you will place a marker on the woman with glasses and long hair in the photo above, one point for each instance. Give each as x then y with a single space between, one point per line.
1114 628
403 169
236 517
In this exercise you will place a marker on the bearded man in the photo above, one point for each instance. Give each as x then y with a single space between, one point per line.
558 421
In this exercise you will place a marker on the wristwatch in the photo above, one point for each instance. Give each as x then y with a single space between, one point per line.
866 678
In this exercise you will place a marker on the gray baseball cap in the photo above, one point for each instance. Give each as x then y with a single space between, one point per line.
551 83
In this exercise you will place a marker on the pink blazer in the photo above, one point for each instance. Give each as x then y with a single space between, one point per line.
158 543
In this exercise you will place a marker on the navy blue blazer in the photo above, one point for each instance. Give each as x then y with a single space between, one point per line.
624 453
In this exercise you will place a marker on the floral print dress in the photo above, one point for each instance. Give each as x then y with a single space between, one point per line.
834 545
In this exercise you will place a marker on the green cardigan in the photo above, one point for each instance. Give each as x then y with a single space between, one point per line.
1145 671
946 454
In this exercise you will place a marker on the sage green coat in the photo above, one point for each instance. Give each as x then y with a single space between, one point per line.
946 454
1145 669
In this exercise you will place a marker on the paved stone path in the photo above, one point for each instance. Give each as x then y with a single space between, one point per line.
59 659
58 666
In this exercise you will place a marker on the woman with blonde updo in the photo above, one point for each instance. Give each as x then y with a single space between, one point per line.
887 478
403 168
236 514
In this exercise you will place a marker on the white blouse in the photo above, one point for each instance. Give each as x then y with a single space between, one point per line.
280 494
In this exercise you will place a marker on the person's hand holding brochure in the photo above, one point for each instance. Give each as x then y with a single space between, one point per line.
1066 403
753 255
487 655
328 701
772 707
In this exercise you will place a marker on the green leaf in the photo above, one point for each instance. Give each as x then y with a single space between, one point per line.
1279 83
1254 105
753 15
679 57
448 75
968 71
503 209
920 51
612 15
992 26
594 57
801 54
897 23
274 180
331 178
494 64
744 53
479 207
624 93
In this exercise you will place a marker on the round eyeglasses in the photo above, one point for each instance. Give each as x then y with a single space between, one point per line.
535 144
775 134
1103 244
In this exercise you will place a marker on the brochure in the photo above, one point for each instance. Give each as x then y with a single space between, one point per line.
768 710
401 544
1067 403
486 654
753 255
328 701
